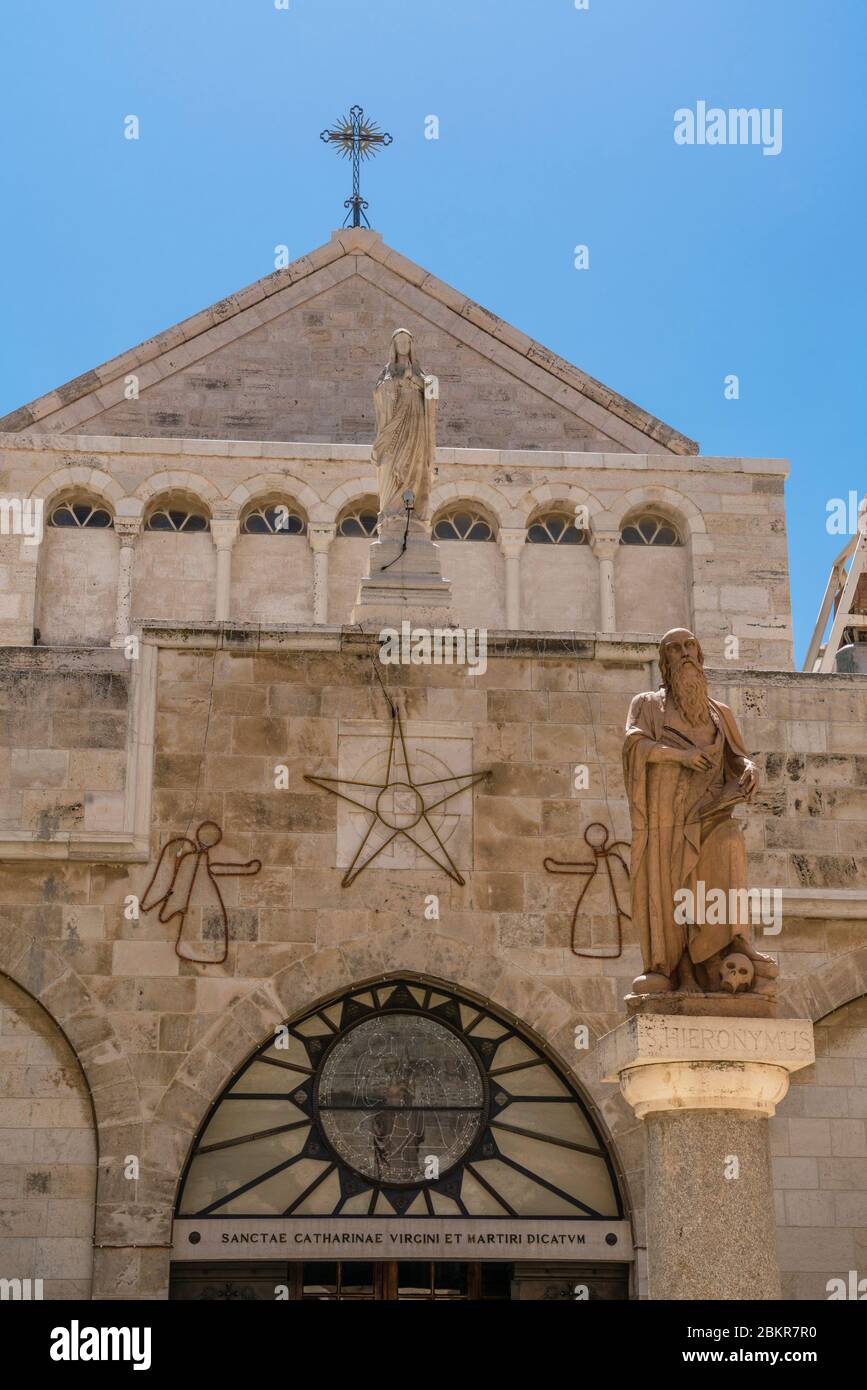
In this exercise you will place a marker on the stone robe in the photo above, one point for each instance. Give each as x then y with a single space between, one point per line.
402 449
682 831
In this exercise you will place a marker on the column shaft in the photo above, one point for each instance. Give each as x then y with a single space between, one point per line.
511 541
224 533
605 546
319 538
710 1236
607 606
127 530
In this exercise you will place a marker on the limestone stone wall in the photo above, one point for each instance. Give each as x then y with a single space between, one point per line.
63 733
47 1152
289 349
652 588
158 1036
347 564
478 585
729 578
77 587
810 834
308 375
560 588
174 577
272 579
820 1160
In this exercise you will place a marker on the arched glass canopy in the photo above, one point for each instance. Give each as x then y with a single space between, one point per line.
399 1099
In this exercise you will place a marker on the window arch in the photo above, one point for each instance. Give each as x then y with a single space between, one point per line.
177 513
463 522
359 518
342 1113
650 528
556 528
273 517
79 513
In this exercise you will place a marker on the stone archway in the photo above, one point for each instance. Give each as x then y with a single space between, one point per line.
834 983
48 1158
130 1236
254 1153
326 973
818 1133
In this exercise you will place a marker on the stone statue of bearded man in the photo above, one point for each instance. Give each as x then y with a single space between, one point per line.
686 769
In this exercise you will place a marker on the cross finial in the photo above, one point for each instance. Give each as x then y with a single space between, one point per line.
356 137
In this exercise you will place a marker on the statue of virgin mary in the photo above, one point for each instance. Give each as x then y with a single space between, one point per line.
403 450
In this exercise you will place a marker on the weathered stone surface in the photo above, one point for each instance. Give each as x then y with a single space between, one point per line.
709 1237
521 432
47 1150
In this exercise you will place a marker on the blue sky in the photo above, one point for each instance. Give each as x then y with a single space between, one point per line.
556 129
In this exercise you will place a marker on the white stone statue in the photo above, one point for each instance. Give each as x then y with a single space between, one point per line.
403 451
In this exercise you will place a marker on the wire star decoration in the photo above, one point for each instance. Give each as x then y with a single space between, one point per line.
398 805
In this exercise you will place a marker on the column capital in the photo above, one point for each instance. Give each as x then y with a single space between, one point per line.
511 540
604 544
128 528
320 534
225 510
673 1062
224 533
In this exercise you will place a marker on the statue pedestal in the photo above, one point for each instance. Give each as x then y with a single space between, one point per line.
403 583
746 1005
704 1087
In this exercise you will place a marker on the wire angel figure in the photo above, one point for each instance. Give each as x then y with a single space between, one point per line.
596 837
175 877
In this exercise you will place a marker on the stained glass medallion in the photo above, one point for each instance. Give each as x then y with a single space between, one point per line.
399 1095
400 1099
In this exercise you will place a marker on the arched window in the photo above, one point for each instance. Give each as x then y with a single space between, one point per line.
177 515
556 528
273 519
79 513
359 518
649 529
400 1099
461 523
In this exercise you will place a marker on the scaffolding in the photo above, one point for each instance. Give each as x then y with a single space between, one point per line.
846 596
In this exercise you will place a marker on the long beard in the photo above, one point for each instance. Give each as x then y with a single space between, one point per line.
688 688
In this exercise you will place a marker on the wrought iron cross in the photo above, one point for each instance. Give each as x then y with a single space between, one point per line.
356 138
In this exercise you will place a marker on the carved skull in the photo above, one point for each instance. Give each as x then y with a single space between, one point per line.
737 972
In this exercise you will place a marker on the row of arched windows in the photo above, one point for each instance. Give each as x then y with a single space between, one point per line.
263 519
454 523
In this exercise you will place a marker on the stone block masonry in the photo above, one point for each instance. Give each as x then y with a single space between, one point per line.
157 1037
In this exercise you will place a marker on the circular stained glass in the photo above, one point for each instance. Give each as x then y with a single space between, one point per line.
400 1098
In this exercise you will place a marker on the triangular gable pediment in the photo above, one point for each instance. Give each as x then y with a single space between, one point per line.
295 356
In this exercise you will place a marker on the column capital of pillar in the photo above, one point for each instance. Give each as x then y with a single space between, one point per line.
128 528
320 534
224 533
511 540
672 1062
605 544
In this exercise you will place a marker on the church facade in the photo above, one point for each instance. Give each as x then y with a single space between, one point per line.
312 949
